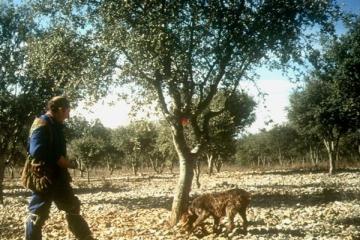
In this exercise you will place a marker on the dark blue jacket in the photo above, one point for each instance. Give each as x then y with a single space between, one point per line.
46 140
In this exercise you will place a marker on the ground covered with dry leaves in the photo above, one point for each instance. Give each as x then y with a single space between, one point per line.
285 205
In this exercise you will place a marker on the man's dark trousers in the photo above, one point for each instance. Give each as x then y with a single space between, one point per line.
39 208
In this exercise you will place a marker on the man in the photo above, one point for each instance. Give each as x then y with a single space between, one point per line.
47 145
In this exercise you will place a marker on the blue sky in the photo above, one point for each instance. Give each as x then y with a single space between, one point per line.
278 87
350 5
273 83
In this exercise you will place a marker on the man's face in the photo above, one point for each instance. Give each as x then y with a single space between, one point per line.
62 114
66 113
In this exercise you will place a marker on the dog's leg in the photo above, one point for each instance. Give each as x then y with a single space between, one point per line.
242 213
202 216
216 224
230 214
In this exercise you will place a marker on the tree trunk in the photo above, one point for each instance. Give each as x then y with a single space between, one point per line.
88 174
2 171
157 166
312 156
210 161
317 156
337 154
186 166
135 167
263 159
197 173
280 157
153 165
330 148
108 166
81 168
218 164
11 169
171 167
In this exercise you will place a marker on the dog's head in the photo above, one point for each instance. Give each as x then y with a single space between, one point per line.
187 219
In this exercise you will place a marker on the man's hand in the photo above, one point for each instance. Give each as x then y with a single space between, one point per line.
73 164
66 163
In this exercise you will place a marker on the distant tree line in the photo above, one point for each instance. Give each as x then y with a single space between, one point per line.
149 144
324 115
284 146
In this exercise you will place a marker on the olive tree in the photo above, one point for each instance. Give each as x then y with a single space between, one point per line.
88 151
329 104
16 102
39 61
225 127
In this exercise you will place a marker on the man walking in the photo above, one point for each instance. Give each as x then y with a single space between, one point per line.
47 147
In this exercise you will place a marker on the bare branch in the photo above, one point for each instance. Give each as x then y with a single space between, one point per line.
161 100
214 86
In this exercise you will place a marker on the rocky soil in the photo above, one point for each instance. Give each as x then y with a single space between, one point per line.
285 205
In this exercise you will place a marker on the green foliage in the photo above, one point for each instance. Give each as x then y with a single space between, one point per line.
315 110
137 142
164 149
224 128
350 147
39 61
278 146
181 53
329 105
76 127
65 62
17 104
88 150
90 145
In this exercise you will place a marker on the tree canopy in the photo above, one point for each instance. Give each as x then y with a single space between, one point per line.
328 106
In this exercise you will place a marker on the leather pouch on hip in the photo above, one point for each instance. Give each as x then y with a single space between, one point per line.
36 176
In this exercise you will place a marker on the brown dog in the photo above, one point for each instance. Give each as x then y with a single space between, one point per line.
217 205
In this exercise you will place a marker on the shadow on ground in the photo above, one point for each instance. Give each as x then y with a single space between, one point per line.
327 195
21 192
290 172
139 203
274 232
350 221
112 189
260 231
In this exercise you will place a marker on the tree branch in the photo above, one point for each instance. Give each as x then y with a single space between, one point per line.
161 100
214 87
189 84
208 116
